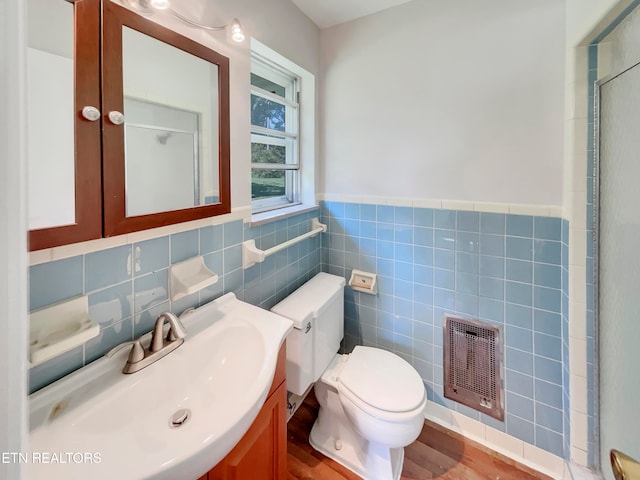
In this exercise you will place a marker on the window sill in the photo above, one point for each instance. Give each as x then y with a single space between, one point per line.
261 218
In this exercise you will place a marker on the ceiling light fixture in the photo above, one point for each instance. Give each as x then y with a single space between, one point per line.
148 7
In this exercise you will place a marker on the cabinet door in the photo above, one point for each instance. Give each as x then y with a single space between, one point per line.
64 176
262 452
168 96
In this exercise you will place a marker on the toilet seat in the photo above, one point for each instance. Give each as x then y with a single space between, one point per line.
381 383
347 398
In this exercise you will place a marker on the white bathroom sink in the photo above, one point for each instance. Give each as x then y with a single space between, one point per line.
99 423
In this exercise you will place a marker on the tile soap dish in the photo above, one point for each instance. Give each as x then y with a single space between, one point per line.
190 276
59 328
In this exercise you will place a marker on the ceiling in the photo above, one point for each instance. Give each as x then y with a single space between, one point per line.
327 13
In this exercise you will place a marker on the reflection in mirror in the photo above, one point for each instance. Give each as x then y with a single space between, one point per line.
171 126
166 138
50 114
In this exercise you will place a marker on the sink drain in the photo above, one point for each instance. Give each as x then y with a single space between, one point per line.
180 418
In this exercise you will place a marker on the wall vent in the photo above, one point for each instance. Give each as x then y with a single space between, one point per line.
472 365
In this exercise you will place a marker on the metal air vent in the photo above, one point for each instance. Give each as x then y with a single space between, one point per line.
472 365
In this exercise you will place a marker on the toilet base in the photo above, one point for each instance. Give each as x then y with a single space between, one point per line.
370 461
333 435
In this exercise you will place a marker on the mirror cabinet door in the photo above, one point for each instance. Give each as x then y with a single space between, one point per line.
63 130
165 125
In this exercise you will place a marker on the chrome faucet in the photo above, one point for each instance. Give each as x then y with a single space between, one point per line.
140 357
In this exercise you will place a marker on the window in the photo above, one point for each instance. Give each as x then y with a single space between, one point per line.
275 165
283 144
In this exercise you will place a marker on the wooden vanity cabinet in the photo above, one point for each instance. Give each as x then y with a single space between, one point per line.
262 453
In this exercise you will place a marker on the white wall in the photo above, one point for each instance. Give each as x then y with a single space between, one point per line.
446 99
13 257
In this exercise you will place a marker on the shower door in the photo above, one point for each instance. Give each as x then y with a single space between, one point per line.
618 303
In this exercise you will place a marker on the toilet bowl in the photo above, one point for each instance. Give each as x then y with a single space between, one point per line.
371 400
367 414
383 396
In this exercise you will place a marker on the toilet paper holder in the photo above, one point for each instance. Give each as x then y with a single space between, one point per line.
364 282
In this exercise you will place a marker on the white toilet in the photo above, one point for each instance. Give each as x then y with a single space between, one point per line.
371 401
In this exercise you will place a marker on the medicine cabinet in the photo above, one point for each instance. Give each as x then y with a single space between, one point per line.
128 124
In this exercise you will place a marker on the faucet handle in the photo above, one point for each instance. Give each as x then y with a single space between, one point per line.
171 335
119 347
137 352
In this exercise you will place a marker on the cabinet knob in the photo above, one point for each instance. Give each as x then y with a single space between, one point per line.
91 113
116 117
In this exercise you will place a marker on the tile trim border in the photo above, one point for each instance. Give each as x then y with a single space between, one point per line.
470 206
244 213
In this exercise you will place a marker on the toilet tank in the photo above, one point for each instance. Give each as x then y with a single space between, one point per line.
317 312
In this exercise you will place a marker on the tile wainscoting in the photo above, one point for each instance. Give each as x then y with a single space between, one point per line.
507 269
503 268
128 285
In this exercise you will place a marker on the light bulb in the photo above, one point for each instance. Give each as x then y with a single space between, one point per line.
160 4
237 34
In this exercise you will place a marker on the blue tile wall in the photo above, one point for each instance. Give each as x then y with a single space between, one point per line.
509 270
128 288
55 281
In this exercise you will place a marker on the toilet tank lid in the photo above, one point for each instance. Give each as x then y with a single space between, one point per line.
309 300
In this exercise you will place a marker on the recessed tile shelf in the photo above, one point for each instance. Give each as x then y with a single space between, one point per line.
189 277
59 328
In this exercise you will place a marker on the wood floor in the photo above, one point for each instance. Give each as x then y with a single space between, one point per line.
437 454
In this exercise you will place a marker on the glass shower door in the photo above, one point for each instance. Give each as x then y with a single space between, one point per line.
619 266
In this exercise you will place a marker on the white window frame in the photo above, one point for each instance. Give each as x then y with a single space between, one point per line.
300 97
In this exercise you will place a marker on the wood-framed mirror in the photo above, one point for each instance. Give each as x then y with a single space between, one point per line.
173 94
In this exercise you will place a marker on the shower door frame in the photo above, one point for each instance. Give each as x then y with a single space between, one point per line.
596 250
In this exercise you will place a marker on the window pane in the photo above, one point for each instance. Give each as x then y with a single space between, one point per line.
261 153
268 85
275 178
268 183
267 113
